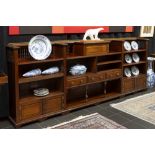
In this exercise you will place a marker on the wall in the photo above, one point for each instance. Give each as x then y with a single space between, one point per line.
5 39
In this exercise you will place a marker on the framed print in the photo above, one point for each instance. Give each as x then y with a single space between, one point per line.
147 31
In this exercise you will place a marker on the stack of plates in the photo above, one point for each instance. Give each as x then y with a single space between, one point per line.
41 92
78 70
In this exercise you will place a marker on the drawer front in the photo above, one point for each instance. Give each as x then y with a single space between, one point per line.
93 78
76 81
128 85
140 82
113 74
52 105
31 110
96 77
96 49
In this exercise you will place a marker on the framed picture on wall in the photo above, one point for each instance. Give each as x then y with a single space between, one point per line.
147 31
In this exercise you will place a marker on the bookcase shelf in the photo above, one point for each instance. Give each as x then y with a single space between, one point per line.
104 79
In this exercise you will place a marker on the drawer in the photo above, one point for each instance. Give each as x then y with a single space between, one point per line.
96 77
52 105
113 74
76 81
96 49
30 110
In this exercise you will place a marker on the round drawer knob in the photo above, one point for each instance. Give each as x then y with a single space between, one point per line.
81 81
72 83
93 78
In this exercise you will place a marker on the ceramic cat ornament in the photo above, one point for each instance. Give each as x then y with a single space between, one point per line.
92 34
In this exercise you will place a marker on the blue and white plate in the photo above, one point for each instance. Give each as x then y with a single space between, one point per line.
40 47
33 72
51 70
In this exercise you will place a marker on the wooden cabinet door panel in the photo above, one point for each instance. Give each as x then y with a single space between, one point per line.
128 85
52 105
140 82
31 110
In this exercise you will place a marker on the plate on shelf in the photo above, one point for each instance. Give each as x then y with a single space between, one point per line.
127 46
40 47
41 92
127 72
51 70
135 70
135 57
134 45
128 58
33 72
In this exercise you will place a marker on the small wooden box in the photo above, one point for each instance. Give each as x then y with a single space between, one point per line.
88 48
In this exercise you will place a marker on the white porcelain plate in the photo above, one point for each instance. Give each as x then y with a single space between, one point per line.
135 57
134 45
127 72
135 70
40 47
127 46
128 58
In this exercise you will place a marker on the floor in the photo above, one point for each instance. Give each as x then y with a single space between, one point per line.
104 109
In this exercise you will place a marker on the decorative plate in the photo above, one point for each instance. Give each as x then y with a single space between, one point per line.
127 72
51 70
127 46
33 72
134 45
135 57
40 47
128 58
135 70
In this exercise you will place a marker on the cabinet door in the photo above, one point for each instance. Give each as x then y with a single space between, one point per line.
52 105
30 110
140 82
128 85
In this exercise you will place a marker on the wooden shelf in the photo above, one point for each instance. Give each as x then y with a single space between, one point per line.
135 51
28 62
92 100
103 97
77 103
39 78
140 75
3 78
72 57
141 62
33 97
110 53
109 62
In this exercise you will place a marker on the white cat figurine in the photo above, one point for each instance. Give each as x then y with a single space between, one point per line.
92 33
